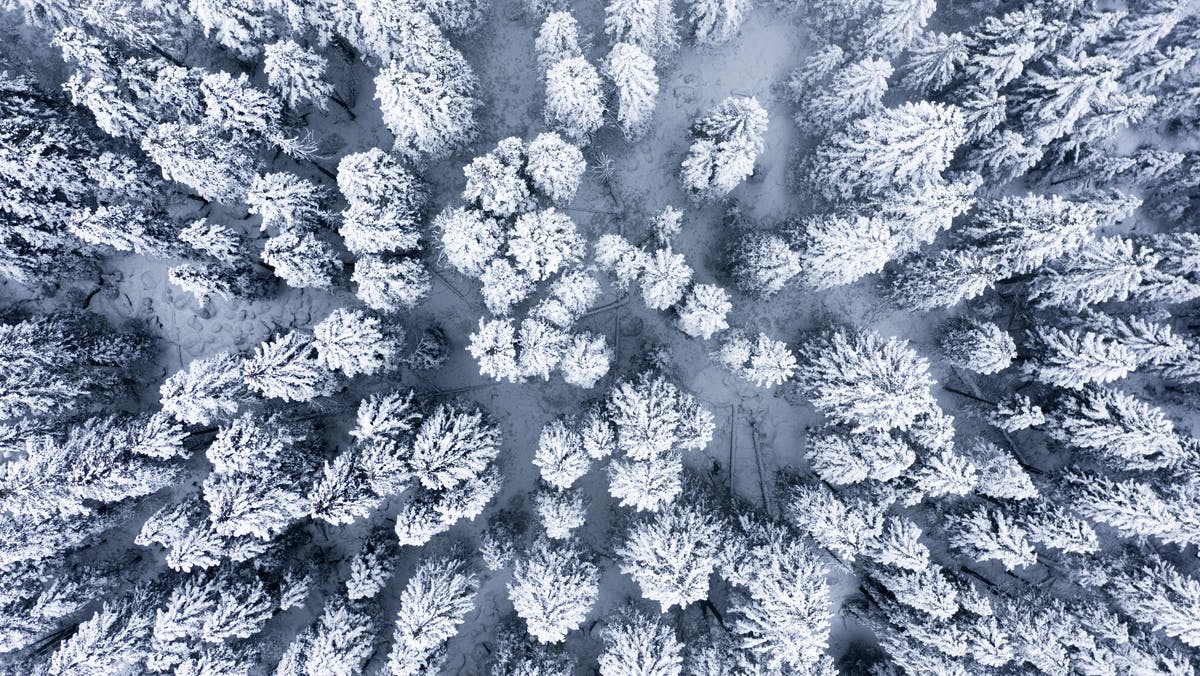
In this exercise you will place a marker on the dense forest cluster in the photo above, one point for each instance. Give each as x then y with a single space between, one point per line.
528 337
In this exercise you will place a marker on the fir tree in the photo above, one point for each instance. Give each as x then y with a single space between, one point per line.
210 389
554 167
716 21
302 260
665 276
982 347
827 244
553 587
287 367
637 643
672 554
390 285
469 239
762 264
861 379
561 512
557 40
434 602
632 72
354 342
574 98
703 311
297 73
544 242
586 359
727 141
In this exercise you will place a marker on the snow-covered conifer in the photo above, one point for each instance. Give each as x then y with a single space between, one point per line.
933 61
200 157
665 276
615 254
297 73
845 527
435 601
1118 427
569 297
1000 474
637 643
494 347
1016 413
651 25
862 379
553 588
980 346
560 512
764 361
1074 358
586 359
763 263
703 311
372 566
427 92
632 73
716 21
286 367
853 90
837 250
555 167
986 534
781 609
1161 596
454 443
391 285
503 286
727 142
557 40
847 458
375 177
354 342
574 98
560 457
672 554
544 242
646 485
302 260
900 545
286 201
495 182
927 590
210 389
469 238
906 145
218 241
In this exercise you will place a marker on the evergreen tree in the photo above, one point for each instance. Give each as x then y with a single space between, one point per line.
554 167
544 242
557 40
553 587
435 601
853 90
780 610
909 144
297 73
650 25
560 457
354 342
637 643
1073 359
703 311
986 535
390 285
495 183
763 263
286 201
287 367
665 276
727 141
426 92
1117 426
574 98
979 346
302 260
1159 595
671 554
828 243
861 379
560 511
469 239
210 389
372 566
716 21
632 72
455 443
586 359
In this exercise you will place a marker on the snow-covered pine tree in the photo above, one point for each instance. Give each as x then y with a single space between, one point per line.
664 278
976 345
298 74
910 144
557 40
586 358
637 643
542 243
302 260
762 263
286 201
781 606
470 239
574 98
210 389
842 458
554 167
286 367
494 348
560 511
716 21
672 554
426 91
372 566
1074 358
837 250
861 379
989 534
632 72
1119 427
726 143
435 601
454 443
651 25
553 588
354 342
391 285
702 313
